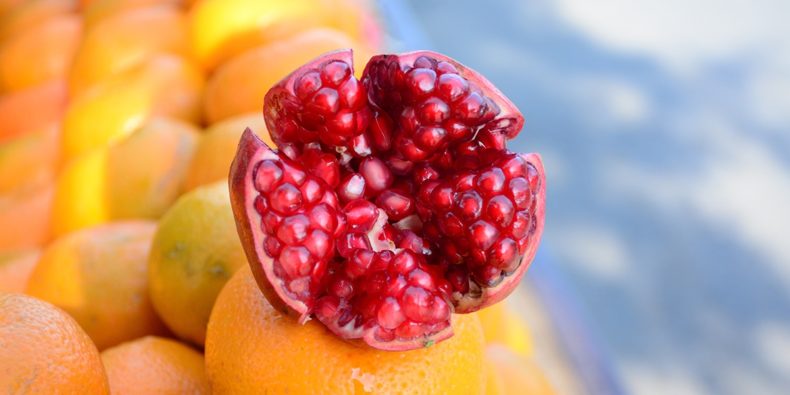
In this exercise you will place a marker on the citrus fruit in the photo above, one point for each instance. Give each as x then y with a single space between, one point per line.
29 161
39 54
44 351
221 29
195 251
99 276
239 85
99 10
15 269
25 218
124 40
154 365
115 182
502 325
31 109
253 348
513 374
31 13
217 146
163 85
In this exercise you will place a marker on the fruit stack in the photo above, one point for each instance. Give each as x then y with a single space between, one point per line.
128 265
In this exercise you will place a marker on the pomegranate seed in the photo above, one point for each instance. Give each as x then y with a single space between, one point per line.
390 315
267 175
352 187
376 174
393 201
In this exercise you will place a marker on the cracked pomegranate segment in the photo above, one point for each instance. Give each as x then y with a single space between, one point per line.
392 201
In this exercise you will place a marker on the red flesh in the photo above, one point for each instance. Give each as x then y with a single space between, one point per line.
379 228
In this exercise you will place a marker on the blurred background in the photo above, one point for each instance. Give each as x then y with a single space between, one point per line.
665 128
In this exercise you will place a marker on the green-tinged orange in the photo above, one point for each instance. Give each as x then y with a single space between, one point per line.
195 251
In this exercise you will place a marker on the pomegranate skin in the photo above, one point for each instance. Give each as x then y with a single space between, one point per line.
393 201
249 149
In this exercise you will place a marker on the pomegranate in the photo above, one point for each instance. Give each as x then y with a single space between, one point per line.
392 201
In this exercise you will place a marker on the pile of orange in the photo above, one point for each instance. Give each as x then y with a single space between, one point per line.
118 123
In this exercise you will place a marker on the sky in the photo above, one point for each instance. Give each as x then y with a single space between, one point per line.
665 130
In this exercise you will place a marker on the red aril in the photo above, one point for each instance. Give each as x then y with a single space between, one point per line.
392 202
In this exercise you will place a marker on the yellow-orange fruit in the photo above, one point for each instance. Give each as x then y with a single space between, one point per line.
99 276
40 54
513 374
137 177
222 29
163 85
502 325
31 109
239 86
217 147
122 41
31 13
15 269
25 219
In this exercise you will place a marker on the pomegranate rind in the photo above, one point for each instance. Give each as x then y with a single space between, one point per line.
252 150
470 303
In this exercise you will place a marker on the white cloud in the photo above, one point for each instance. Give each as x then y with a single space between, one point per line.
648 379
612 100
772 342
594 248
743 190
682 33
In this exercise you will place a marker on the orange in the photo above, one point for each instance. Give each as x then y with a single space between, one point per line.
195 251
25 218
162 85
137 177
124 40
39 54
99 10
32 13
7 5
217 147
15 269
221 29
99 276
513 374
502 325
153 365
31 109
29 161
44 351
252 348
238 86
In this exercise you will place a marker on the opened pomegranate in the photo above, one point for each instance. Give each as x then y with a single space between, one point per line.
392 201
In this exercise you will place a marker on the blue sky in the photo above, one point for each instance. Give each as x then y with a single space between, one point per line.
665 128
